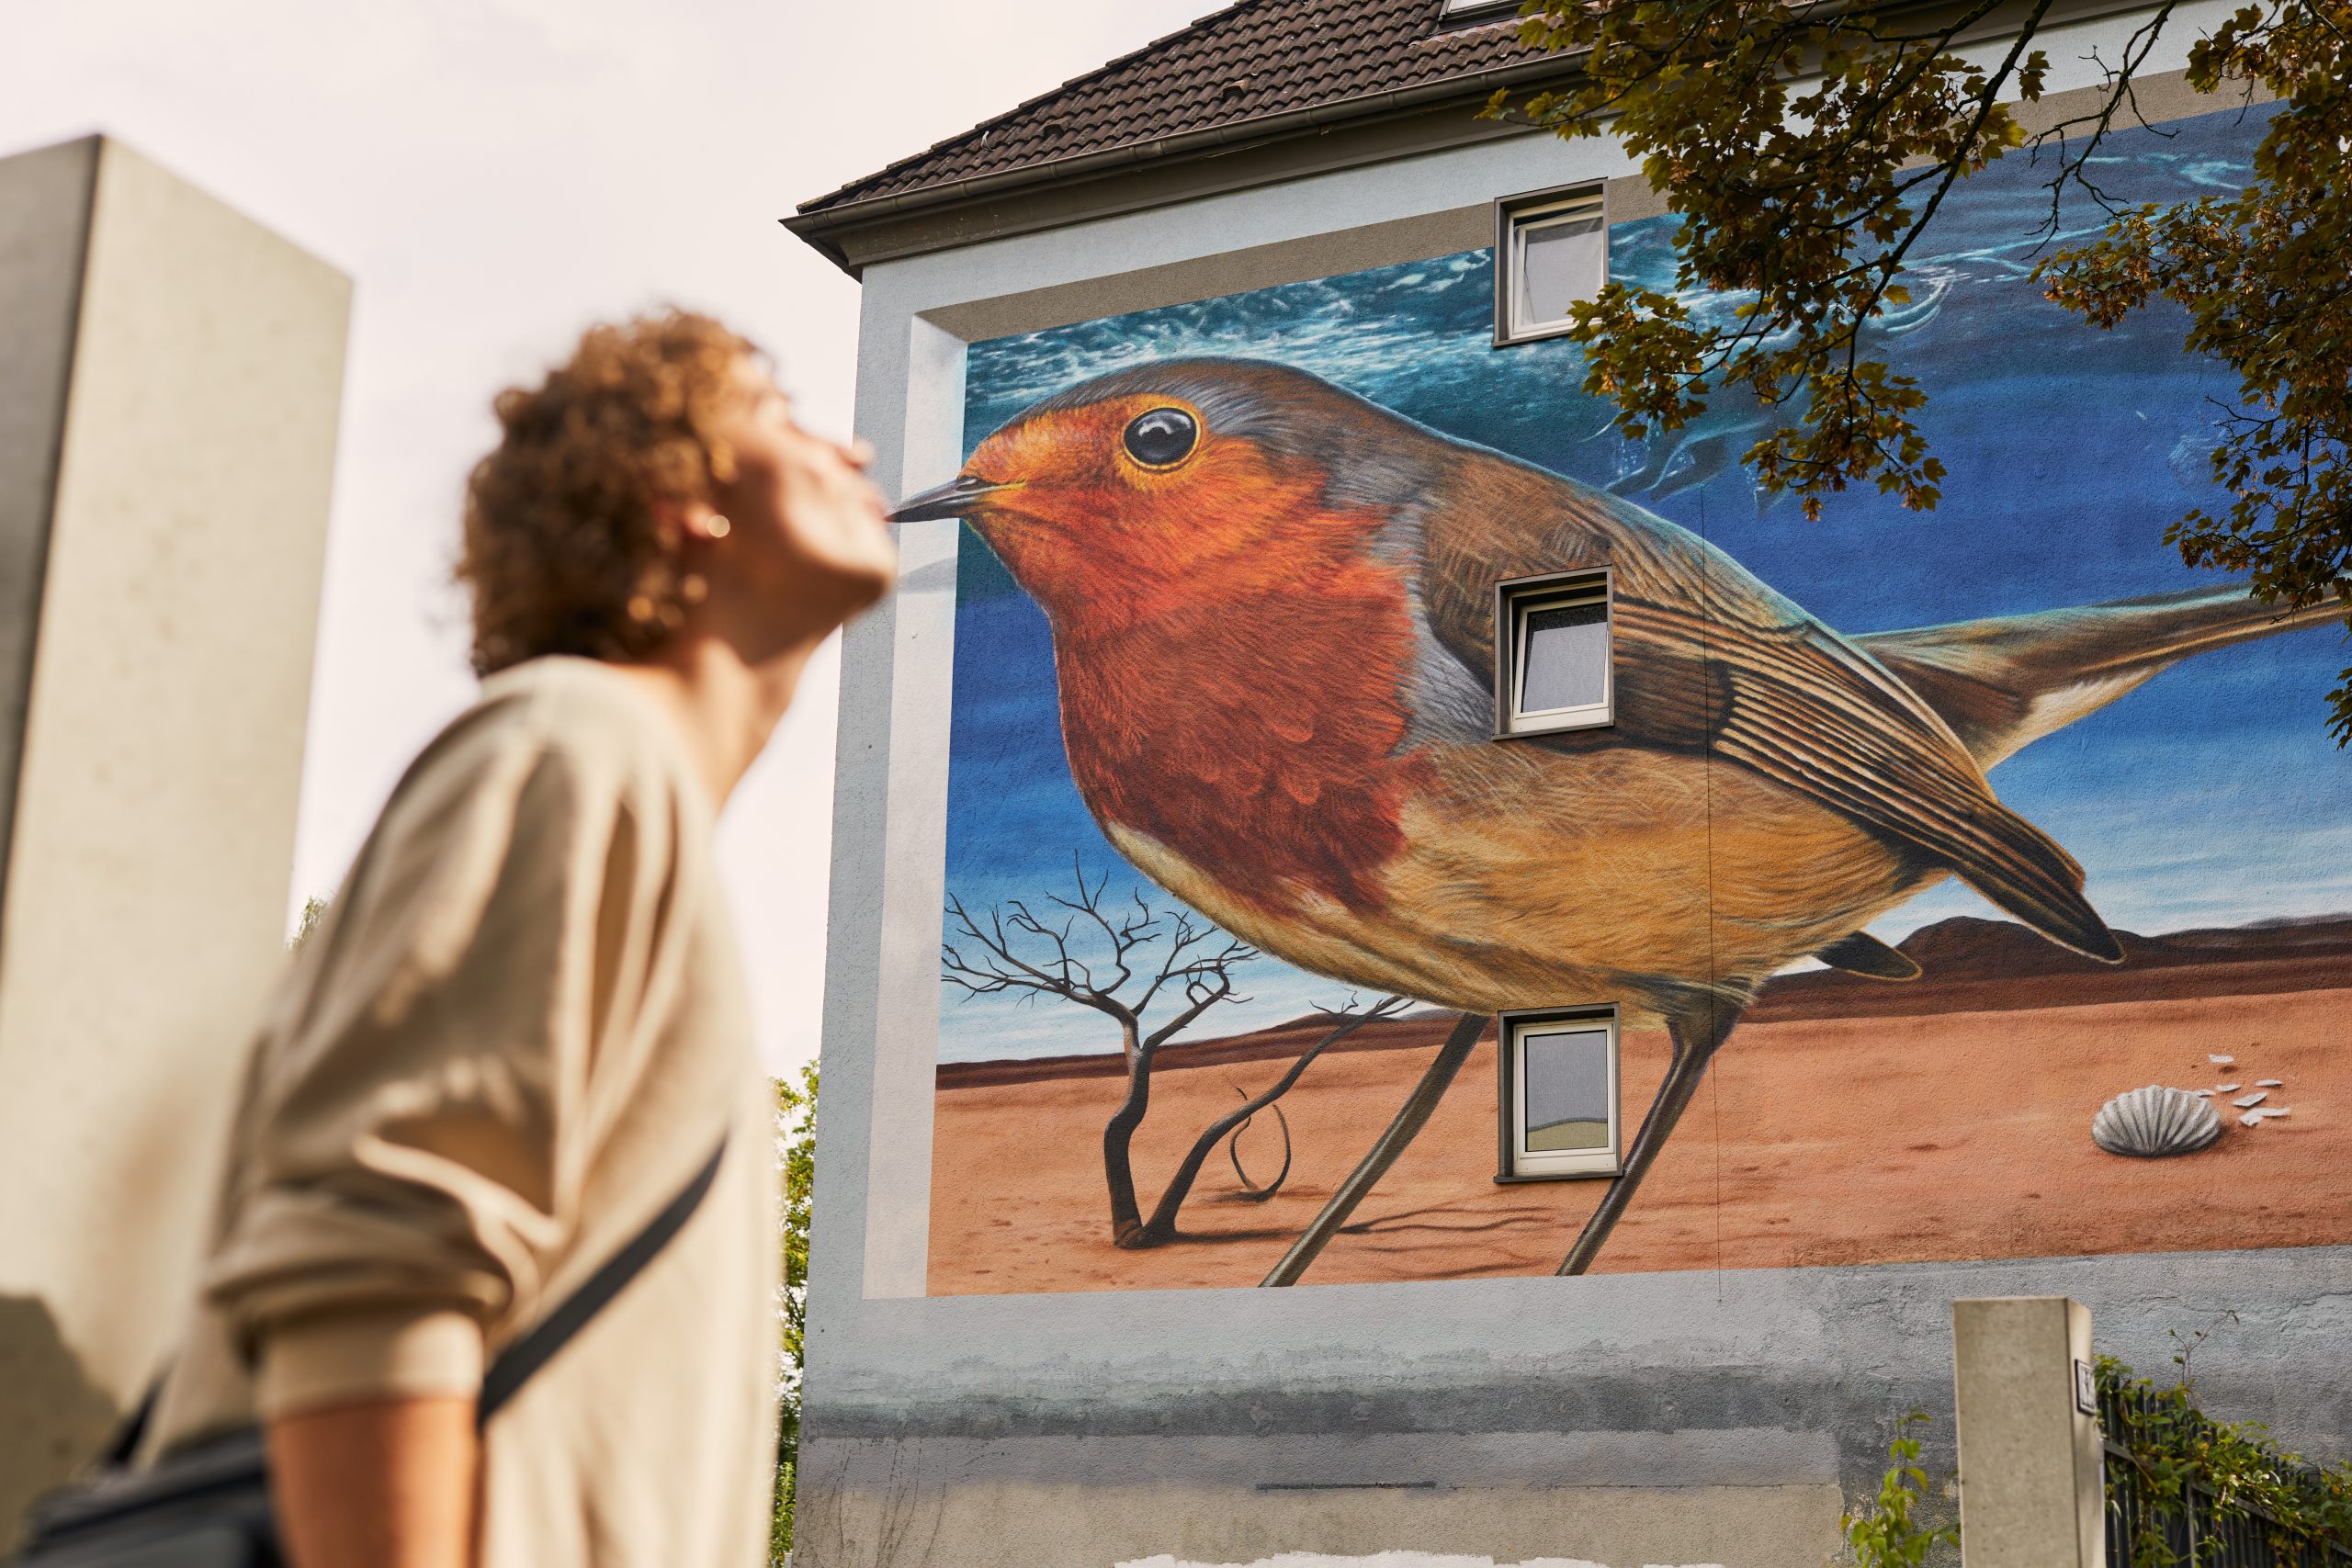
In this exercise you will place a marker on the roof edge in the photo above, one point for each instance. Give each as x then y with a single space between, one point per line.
814 223
1082 79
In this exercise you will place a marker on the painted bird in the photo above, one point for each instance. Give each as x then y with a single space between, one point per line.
1272 605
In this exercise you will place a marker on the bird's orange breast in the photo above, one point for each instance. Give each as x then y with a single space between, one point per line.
1256 734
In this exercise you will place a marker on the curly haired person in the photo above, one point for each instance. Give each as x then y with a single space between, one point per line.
521 1026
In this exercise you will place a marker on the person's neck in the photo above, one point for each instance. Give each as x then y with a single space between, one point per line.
726 705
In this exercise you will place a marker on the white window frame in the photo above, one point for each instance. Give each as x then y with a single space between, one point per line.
1515 600
1450 9
1514 216
1520 1163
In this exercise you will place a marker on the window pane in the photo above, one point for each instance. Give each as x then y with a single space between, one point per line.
1565 658
1568 1089
1560 262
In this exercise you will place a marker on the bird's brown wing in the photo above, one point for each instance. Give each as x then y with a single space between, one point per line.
1812 713
1709 658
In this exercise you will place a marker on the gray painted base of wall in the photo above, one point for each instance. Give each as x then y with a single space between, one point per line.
908 1524
1631 1419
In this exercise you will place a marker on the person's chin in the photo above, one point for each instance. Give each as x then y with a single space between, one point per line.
858 581
879 561
879 582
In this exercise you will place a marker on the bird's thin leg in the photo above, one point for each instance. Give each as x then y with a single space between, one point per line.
1409 1118
1695 1040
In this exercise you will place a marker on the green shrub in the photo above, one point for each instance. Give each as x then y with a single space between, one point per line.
2241 1472
1887 1534
796 1141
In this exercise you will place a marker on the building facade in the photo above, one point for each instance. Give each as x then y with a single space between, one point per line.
1409 974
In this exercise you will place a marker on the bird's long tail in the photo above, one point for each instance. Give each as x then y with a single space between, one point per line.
2004 683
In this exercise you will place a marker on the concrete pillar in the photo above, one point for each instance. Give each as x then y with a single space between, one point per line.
2032 1489
170 379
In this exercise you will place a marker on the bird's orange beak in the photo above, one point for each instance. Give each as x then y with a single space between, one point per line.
959 497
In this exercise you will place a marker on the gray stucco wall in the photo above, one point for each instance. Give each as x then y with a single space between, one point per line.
1699 1418
166 452
44 227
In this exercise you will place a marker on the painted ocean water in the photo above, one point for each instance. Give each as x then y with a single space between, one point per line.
2210 796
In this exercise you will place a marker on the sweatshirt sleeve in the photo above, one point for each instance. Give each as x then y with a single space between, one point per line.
424 1117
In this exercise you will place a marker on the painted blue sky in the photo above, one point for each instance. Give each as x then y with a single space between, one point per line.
2211 795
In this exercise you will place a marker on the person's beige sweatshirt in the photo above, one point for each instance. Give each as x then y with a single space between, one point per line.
517 1032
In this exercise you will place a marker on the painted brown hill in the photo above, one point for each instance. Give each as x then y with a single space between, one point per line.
1967 965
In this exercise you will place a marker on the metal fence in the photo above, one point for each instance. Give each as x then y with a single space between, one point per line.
2192 1530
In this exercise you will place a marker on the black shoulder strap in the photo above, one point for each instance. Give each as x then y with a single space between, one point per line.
519 1360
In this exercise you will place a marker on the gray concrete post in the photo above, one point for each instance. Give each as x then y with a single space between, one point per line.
2032 1491
170 378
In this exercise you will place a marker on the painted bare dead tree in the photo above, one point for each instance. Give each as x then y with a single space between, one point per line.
1342 1022
1089 951
1120 958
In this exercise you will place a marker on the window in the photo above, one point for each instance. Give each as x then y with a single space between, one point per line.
1552 654
1550 250
1559 1094
1452 8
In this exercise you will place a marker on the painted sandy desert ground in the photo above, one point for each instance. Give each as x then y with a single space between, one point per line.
1846 1122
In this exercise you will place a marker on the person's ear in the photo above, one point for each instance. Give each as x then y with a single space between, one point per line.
692 521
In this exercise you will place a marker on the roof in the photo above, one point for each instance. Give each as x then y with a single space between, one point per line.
1254 60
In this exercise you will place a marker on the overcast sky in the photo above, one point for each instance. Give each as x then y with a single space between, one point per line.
495 174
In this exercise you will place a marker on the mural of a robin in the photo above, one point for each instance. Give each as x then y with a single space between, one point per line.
1973 822
1271 605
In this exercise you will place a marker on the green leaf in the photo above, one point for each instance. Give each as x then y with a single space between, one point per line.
1802 194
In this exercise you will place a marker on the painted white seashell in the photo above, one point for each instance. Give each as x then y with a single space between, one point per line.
2222 1061
2153 1122
2225 1088
2252 1118
2267 1111
2247 1101
2270 1083
2203 1093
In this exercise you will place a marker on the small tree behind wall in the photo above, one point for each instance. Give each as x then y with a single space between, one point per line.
795 1157
1120 958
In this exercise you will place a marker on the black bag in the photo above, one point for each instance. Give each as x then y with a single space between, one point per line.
206 1505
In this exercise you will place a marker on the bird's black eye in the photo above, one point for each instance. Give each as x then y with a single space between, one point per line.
1162 438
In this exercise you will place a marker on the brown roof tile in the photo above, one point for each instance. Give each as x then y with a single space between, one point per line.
1252 59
